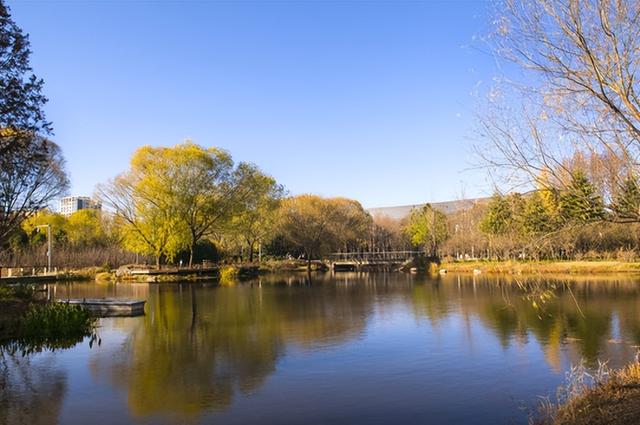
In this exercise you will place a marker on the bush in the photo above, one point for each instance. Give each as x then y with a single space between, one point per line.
6 292
50 326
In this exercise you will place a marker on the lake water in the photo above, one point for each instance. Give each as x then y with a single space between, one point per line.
347 349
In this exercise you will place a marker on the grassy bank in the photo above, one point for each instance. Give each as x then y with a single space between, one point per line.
28 323
532 267
614 401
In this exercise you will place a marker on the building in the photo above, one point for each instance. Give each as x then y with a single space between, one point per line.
448 208
71 204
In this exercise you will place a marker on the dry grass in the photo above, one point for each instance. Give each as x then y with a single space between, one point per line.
607 397
529 267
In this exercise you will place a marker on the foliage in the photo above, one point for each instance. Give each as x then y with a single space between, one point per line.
626 203
83 228
87 228
571 106
172 198
31 166
50 326
498 219
580 202
539 214
257 211
427 227
319 225
38 235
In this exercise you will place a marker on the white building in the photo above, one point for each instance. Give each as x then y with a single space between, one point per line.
71 204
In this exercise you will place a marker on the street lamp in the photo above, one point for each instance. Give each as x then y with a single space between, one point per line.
48 226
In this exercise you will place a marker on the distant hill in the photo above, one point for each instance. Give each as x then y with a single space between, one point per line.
448 207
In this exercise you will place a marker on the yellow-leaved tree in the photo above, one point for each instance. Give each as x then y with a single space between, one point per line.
173 197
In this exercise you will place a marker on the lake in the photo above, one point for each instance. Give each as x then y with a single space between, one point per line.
348 348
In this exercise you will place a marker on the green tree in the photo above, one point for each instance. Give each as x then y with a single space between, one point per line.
498 217
538 215
626 202
256 215
427 227
580 202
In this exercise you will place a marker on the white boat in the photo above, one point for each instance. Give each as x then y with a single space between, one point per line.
109 306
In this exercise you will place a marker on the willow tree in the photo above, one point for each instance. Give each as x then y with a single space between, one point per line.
31 166
174 197
256 212
578 92
146 221
320 225
199 183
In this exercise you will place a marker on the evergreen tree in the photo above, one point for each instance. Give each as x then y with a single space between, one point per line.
581 202
498 217
626 203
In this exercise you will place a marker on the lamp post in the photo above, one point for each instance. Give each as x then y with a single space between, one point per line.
48 226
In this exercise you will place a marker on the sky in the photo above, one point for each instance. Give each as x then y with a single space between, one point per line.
372 100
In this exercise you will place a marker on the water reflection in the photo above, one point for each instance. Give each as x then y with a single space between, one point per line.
202 350
205 345
31 390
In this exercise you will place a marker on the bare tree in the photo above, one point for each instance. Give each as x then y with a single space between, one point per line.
31 167
31 176
579 93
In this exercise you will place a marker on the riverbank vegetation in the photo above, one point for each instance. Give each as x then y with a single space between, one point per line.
603 397
29 323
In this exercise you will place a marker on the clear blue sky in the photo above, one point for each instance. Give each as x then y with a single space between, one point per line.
371 100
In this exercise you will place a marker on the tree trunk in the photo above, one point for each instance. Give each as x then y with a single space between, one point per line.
158 261
251 246
191 249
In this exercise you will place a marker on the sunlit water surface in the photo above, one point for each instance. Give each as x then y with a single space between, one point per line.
346 349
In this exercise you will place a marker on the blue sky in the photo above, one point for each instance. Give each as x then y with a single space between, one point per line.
372 100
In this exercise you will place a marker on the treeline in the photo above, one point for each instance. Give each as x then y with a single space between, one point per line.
187 203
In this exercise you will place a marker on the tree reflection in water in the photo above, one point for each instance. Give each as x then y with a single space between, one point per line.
31 391
199 346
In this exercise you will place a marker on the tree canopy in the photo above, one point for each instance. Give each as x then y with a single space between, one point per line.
31 166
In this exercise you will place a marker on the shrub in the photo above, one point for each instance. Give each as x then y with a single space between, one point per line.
51 326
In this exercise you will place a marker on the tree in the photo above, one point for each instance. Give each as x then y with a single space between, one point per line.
580 92
386 234
21 98
146 217
86 228
256 216
352 224
497 220
199 185
31 166
427 227
174 197
539 213
58 224
580 202
626 203
320 225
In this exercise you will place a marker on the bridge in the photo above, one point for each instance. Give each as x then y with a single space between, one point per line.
363 260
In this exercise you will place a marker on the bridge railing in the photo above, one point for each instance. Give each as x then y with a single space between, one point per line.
375 256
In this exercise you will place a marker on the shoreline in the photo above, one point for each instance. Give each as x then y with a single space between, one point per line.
542 267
